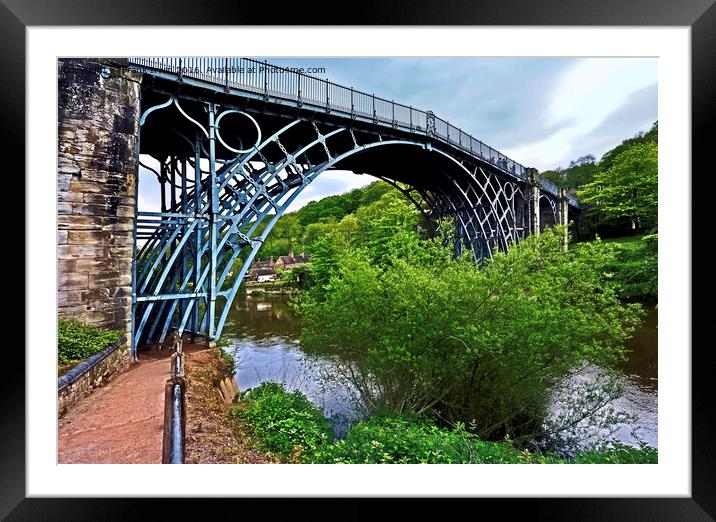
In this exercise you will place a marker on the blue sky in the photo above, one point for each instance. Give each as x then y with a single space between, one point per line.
542 112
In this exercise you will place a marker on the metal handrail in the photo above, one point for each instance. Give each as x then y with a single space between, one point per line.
262 78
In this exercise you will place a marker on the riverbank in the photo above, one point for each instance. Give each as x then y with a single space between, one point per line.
213 436
270 288
293 430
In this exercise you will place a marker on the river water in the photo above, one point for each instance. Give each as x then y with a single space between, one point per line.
264 332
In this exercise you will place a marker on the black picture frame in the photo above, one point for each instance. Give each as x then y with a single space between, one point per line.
700 15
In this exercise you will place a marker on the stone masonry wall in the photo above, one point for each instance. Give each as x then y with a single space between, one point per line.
103 367
98 125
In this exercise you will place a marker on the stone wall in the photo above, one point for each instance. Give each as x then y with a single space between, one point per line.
98 125
93 372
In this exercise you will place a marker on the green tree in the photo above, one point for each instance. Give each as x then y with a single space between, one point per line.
556 176
629 188
652 136
580 172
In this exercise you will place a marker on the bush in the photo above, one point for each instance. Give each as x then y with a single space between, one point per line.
221 345
618 453
226 356
431 334
76 341
286 423
399 440
291 427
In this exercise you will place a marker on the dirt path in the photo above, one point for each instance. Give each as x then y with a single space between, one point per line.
213 436
121 423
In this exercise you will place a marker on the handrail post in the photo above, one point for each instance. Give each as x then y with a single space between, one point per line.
353 110
266 79
299 88
328 97
375 118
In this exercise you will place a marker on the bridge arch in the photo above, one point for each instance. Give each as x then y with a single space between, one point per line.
548 212
225 197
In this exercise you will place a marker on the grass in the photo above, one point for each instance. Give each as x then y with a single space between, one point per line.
77 341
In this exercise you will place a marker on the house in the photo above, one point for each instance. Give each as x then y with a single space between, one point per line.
288 262
263 271
265 274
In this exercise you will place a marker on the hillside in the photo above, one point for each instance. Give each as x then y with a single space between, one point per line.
290 232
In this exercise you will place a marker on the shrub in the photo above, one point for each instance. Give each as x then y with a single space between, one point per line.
618 453
435 335
76 341
221 345
635 268
399 440
286 423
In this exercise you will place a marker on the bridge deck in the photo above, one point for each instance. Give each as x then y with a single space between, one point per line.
281 86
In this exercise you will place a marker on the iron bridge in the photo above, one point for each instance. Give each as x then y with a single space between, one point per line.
237 140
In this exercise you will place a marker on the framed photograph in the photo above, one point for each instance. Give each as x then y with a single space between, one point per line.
319 255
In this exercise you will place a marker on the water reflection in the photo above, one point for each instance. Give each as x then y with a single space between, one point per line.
265 333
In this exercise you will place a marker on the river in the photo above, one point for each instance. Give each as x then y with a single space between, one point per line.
264 333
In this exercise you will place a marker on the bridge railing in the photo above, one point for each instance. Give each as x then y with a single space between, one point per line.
264 79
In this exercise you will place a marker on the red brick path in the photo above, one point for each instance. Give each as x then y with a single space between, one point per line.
121 423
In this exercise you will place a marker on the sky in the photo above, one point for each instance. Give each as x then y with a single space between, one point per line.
541 112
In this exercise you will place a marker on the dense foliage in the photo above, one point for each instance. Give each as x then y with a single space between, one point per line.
423 332
222 345
651 137
286 422
76 341
397 440
635 267
617 453
628 189
619 190
296 231
584 169
580 172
